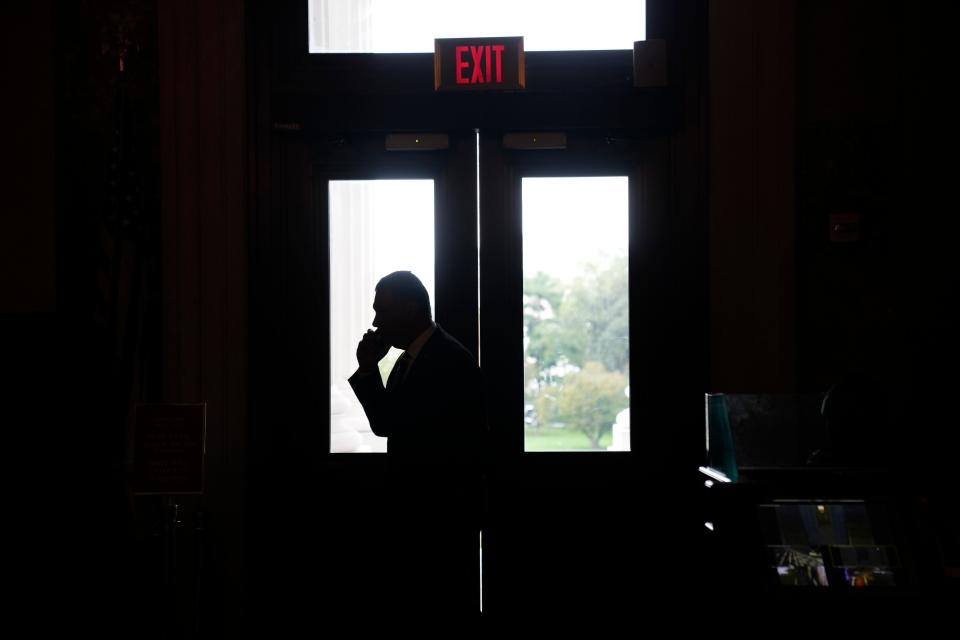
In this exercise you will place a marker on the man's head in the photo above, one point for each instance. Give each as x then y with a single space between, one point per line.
402 308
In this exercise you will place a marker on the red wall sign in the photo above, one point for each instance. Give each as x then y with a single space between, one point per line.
478 64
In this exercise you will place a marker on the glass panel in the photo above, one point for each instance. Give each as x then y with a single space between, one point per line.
376 227
390 26
576 314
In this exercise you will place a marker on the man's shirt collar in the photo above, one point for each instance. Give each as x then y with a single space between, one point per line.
414 349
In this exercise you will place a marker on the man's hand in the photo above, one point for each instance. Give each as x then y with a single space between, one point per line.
370 350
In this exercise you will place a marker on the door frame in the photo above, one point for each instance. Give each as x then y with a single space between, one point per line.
296 99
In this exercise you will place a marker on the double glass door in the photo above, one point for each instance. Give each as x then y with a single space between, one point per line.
529 256
525 252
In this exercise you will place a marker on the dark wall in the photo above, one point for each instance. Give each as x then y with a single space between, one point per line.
851 130
78 295
875 133
752 312
27 244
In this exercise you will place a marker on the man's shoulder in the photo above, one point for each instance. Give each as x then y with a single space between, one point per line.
442 345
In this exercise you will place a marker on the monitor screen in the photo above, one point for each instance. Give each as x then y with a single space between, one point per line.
838 544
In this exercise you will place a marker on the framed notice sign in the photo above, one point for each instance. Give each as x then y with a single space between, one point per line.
169 442
478 64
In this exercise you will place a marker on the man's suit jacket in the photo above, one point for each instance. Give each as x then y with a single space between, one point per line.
434 424
437 411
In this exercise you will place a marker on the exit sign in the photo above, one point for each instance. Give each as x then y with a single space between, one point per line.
478 64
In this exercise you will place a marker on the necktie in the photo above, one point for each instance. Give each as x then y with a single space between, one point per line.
399 371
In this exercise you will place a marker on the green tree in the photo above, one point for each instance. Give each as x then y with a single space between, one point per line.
589 320
542 297
596 309
542 287
584 323
531 380
588 400
553 342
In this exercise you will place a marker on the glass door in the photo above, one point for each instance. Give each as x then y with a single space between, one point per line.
527 256
557 268
556 240
383 211
350 208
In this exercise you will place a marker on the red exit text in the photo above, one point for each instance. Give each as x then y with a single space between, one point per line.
486 64
480 64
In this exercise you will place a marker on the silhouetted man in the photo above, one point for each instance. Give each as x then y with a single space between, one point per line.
432 402
431 412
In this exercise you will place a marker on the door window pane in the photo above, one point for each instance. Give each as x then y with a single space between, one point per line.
576 314
376 227
392 26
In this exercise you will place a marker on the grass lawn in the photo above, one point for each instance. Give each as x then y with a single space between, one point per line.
553 439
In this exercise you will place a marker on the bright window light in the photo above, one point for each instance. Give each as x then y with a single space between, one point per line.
376 227
410 26
576 314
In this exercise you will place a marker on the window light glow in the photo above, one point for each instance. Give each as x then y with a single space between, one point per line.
390 26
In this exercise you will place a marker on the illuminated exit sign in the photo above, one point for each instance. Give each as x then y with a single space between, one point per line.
478 64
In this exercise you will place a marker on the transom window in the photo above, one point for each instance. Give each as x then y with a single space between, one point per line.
410 26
